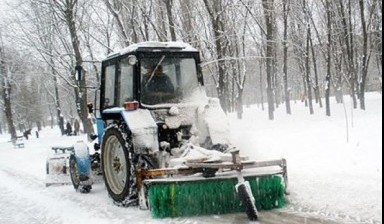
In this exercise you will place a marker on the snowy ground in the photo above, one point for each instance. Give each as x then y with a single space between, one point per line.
332 180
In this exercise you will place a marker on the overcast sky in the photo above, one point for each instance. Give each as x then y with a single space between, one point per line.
3 7
4 4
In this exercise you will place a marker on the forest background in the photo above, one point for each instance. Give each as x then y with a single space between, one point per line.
267 52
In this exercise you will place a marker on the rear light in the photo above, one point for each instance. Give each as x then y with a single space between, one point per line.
131 105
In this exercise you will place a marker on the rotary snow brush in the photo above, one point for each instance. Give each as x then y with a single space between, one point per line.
241 186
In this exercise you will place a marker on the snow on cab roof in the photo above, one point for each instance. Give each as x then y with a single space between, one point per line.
154 44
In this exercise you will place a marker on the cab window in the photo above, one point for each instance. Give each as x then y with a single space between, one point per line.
125 82
109 92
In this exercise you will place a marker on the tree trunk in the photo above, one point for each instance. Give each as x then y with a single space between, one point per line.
261 86
239 104
365 59
186 20
268 9
308 72
163 36
169 4
81 91
329 58
241 79
286 6
305 87
317 88
56 97
51 116
6 95
338 77
233 106
38 125
347 38
60 119
220 49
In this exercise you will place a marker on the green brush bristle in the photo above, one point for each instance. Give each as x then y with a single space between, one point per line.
212 196
268 192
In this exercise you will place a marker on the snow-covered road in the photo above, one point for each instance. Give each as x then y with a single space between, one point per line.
332 181
25 199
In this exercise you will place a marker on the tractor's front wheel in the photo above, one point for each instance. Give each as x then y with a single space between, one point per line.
74 172
117 166
80 183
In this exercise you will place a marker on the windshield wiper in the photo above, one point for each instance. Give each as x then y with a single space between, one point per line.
154 70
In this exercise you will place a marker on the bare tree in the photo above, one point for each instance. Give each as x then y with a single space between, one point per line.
298 31
44 26
28 107
347 39
48 43
286 9
66 10
366 52
329 58
115 7
186 17
102 28
240 35
316 87
364 55
6 90
215 11
376 40
169 5
268 13
307 53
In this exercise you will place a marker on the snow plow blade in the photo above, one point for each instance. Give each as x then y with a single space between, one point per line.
57 166
214 188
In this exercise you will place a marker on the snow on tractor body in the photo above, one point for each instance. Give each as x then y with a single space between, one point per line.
156 128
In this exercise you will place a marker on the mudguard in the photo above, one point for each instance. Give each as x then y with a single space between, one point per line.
143 128
83 159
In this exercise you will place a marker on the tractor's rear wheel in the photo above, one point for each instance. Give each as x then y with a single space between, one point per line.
117 166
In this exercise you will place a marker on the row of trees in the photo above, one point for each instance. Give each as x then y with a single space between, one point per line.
291 49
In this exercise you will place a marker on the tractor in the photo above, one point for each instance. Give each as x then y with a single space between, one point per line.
156 127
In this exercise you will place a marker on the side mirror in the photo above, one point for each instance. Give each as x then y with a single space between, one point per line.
79 72
90 108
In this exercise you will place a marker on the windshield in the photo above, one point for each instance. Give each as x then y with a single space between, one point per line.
167 79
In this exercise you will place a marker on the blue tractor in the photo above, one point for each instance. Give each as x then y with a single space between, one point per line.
151 115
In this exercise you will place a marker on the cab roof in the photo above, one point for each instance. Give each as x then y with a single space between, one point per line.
153 46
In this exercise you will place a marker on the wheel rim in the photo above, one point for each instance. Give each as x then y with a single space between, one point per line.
115 165
74 174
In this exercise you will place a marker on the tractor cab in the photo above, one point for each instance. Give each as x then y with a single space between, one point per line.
152 74
156 90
